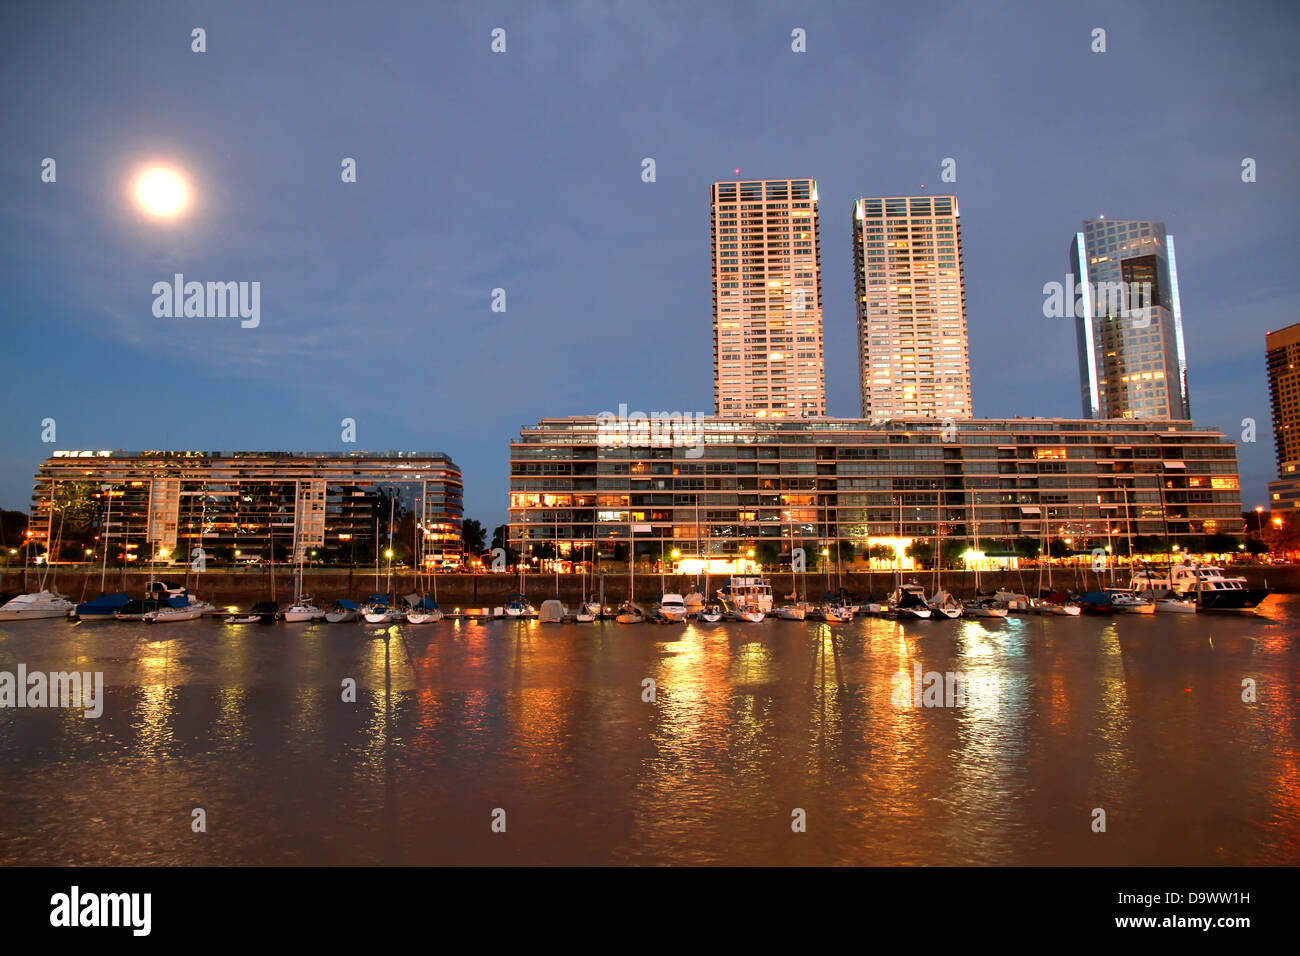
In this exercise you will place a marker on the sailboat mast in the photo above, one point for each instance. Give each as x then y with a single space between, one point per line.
49 534
697 532
108 518
708 548
938 550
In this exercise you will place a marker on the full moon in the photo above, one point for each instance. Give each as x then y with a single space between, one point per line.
161 192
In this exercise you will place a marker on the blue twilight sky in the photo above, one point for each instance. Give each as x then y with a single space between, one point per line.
522 171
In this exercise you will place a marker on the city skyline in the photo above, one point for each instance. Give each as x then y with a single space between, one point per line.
270 207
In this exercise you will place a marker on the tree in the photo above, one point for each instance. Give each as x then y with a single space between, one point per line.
12 526
846 551
767 554
922 552
953 549
1027 548
1149 544
500 539
1057 548
1220 543
474 536
402 539
882 552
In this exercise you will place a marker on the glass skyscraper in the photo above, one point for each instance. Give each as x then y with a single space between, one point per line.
1132 363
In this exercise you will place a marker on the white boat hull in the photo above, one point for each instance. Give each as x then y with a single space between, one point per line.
917 613
36 606
292 616
1138 609
34 614
173 615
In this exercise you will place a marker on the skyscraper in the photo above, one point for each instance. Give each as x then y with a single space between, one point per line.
767 300
912 352
1129 325
1283 356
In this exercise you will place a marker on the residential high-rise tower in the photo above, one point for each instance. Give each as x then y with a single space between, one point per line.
911 307
767 300
1283 350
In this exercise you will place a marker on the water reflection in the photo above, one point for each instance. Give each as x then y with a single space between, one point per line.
1143 716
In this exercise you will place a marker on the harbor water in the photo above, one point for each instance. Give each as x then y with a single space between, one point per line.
777 743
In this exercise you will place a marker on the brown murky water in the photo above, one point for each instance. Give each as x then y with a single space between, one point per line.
1142 717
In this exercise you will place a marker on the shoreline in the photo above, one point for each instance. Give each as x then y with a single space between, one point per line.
243 587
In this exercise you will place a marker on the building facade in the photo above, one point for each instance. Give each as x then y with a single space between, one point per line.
913 359
1283 356
242 506
721 486
767 300
1129 325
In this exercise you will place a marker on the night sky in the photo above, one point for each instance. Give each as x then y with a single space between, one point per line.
522 171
